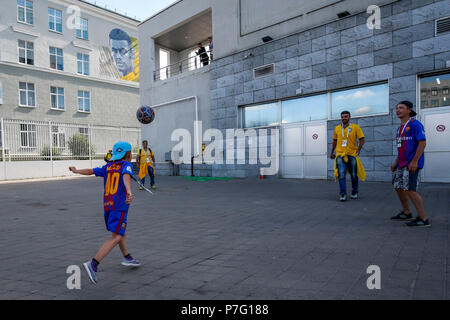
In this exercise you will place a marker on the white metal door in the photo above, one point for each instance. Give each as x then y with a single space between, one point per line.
316 151
304 150
437 153
292 154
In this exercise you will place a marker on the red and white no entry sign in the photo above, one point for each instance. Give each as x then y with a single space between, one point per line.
440 128
315 136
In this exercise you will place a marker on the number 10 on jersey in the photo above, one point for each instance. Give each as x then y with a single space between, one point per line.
112 183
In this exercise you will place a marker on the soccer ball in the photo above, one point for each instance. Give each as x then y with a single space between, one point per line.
145 114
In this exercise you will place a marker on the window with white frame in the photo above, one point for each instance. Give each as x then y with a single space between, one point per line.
305 109
57 98
83 64
26 52
54 20
84 101
59 137
27 135
84 132
82 29
56 58
25 11
360 102
261 115
27 94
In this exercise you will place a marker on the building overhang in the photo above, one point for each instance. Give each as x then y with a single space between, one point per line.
187 34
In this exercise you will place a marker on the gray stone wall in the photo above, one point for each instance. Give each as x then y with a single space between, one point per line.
161 169
222 170
341 54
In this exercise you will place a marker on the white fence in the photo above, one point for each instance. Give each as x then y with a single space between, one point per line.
25 145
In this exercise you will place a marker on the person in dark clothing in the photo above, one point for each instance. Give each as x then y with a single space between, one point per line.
204 58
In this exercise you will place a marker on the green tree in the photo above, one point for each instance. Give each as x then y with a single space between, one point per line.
79 147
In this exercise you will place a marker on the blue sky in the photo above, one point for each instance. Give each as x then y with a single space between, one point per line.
141 9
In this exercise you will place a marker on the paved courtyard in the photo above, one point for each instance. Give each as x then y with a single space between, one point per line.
238 239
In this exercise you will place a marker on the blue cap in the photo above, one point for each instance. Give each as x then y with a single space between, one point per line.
120 149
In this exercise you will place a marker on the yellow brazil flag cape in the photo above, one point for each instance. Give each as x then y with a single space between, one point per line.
360 172
143 165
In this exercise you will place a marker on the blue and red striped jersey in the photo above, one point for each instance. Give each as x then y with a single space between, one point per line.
115 193
412 134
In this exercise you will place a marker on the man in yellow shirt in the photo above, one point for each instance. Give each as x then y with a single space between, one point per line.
347 152
145 161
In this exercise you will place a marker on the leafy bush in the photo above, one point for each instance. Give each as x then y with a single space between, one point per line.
79 147
45 153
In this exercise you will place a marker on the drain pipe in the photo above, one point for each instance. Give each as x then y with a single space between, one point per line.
196 133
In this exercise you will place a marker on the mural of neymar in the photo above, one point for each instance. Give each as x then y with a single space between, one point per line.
121 60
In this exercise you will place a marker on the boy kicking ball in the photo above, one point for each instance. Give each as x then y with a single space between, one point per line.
117 198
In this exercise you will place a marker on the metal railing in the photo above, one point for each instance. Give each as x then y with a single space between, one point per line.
22 140
182 66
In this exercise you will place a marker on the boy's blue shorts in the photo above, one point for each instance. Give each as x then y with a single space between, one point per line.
116 221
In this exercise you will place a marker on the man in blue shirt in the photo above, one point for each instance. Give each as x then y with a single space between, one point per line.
411 142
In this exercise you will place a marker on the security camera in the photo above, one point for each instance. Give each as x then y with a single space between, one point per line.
248 55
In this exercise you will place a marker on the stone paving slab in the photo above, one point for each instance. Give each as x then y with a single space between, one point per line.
238 239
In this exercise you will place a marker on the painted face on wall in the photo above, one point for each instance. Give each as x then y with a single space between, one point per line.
122 51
